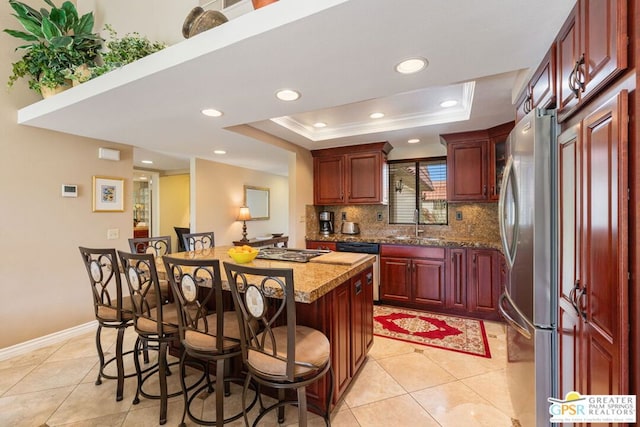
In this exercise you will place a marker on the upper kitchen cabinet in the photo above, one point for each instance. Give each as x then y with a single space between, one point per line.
591 50
350 175
475 162
540 91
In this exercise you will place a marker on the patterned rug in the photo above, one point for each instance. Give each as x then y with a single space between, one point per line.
435 330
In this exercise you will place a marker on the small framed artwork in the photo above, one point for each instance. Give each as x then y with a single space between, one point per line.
108 194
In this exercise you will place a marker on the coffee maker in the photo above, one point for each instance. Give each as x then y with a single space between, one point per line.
326 222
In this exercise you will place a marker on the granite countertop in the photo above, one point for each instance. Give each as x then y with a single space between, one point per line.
312 280
407 240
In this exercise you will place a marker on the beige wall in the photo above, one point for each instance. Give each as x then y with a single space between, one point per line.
300 181
218 192
174 205
43 282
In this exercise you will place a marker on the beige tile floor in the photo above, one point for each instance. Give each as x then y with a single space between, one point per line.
400 385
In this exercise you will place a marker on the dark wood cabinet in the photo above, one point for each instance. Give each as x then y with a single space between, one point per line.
345 315
475 162
592 51
395 279
358 322
457 279
318 244
428 282
497 158
467 169
593 228
341 336
414 275
350 175
465 281
540 91
483 281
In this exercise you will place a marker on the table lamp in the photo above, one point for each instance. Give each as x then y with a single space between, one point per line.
244 215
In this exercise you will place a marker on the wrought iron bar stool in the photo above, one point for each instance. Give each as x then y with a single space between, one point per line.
277 352
155 322
112 309
208 333
158 246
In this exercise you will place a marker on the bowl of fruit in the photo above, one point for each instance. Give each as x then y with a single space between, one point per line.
243 254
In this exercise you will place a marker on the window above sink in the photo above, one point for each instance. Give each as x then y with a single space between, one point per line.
418 184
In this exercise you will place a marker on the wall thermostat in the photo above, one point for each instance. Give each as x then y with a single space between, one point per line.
69 190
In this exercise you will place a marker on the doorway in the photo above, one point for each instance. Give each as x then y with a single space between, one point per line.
145 203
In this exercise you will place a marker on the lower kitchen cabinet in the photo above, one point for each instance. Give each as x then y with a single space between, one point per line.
414 275
318 244
465 281
345 315
483 282
456 297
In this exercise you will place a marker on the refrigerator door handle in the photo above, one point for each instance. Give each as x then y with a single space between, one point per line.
509 182
523 330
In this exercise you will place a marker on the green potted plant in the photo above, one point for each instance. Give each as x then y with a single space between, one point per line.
59 41
124 50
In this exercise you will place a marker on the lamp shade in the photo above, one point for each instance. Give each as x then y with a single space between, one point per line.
244 214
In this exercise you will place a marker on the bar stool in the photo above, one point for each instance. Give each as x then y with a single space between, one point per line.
155 322
158 246
278 353
112 309
208 333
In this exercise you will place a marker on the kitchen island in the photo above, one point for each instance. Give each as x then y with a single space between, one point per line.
336 299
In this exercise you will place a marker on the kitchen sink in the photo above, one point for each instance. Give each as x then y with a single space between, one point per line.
400 237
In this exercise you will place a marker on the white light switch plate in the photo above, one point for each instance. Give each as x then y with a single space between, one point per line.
113 233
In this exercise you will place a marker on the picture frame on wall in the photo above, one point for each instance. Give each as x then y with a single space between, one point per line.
108 194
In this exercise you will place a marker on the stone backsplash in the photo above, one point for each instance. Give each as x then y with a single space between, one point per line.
479 222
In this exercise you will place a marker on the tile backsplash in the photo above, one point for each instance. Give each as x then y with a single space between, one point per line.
479 221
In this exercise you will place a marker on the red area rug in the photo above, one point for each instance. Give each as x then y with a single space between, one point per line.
434 330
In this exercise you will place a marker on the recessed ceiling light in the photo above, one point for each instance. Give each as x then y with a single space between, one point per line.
211 112
144 178
219 152
376 115
320 125
287 95
147 162
448 103
411 65
413 141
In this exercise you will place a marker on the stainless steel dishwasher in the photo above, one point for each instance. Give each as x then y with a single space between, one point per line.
365 248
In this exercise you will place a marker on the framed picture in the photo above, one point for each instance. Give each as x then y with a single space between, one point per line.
108 194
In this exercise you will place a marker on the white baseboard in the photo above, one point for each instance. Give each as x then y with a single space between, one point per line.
37 343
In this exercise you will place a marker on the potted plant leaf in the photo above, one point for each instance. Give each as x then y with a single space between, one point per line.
120 51
59 41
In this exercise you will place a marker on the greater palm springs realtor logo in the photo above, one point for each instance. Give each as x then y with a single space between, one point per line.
593 408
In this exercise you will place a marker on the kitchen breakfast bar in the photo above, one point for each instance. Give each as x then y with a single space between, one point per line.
334 294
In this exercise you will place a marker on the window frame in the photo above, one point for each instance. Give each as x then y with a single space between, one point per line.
417 201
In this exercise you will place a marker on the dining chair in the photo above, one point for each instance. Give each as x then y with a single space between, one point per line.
155 322
276 351
112 309
181 231
158 246
196 241
208 331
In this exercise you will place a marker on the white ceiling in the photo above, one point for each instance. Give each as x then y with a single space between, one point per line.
339 54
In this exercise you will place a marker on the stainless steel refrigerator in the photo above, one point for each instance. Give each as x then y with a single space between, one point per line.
528 231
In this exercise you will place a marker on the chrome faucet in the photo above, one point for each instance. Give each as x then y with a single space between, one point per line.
416 220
